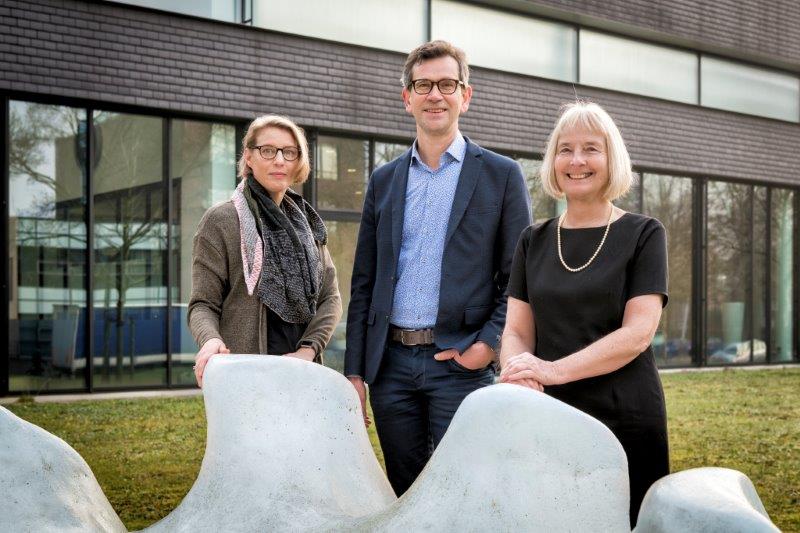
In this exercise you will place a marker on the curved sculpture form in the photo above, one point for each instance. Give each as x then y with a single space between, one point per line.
515 460
707 500
45 485
286 450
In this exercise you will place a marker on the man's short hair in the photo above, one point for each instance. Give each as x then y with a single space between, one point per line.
593 118
433 50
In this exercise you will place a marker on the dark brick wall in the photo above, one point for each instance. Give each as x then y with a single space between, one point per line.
116 54
768 28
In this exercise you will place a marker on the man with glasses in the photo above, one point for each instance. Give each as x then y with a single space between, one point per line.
438 231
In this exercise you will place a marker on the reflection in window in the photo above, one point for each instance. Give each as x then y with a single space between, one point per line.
386 152
341 172
669 199
130 297
637 67
527 46
398 26
631 201
756 91
203 173
47 247
783 264
731 255
543 206
226 10
342 237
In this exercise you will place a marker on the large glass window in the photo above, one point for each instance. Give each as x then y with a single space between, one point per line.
342 167
784 261
130 296
543 206
342 237
505 41
203 173
386 152
47 247
734 308
385 24
637 67
756 91
342 170
631 201
669 199
227 10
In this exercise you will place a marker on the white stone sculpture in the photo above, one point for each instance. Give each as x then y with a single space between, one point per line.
45 485
515 460
286 450
707 500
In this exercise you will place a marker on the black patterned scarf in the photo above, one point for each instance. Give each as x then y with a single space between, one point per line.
291 275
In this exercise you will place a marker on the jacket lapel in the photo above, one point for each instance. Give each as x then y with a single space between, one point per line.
399 181
470 171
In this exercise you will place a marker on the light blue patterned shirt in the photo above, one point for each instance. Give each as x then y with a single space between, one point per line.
429 200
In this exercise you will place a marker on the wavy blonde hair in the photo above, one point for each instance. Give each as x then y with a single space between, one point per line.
276 121
595 119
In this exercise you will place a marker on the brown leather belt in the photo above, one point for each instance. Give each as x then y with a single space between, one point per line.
411 337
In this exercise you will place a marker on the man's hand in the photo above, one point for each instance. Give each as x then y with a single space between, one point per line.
306 353
210 348
477 356
361 390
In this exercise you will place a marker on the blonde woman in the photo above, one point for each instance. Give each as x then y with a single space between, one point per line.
586 294
263 281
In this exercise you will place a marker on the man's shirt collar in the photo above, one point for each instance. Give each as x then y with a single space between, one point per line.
457 150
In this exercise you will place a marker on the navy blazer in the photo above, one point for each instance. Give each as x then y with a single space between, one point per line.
491 207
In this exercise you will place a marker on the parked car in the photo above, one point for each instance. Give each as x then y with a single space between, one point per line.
739 352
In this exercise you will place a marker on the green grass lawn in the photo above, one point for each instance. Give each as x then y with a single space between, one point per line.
146 453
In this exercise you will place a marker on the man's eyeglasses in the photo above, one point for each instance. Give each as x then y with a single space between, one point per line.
445 86
267 151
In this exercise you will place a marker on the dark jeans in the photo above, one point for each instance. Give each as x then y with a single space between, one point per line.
413 400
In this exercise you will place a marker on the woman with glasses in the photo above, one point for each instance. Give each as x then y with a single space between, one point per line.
263 281
585 293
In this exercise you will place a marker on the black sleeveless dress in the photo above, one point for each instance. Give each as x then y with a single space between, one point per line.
573 309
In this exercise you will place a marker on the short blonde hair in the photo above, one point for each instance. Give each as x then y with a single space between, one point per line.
276 121
593 118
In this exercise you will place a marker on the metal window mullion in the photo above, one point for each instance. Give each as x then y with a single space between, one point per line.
796 269
310 186
699 271
768 276
699 78
166 125
89 284
5 365
429 20
577 55
752 225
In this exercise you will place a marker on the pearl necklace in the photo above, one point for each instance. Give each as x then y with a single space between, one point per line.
589 262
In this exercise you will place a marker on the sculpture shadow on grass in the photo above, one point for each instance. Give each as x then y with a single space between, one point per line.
287 451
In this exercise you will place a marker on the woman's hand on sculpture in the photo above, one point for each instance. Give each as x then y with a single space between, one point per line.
306 353
528 366
210 348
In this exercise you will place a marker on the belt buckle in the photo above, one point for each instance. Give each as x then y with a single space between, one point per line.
403 340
